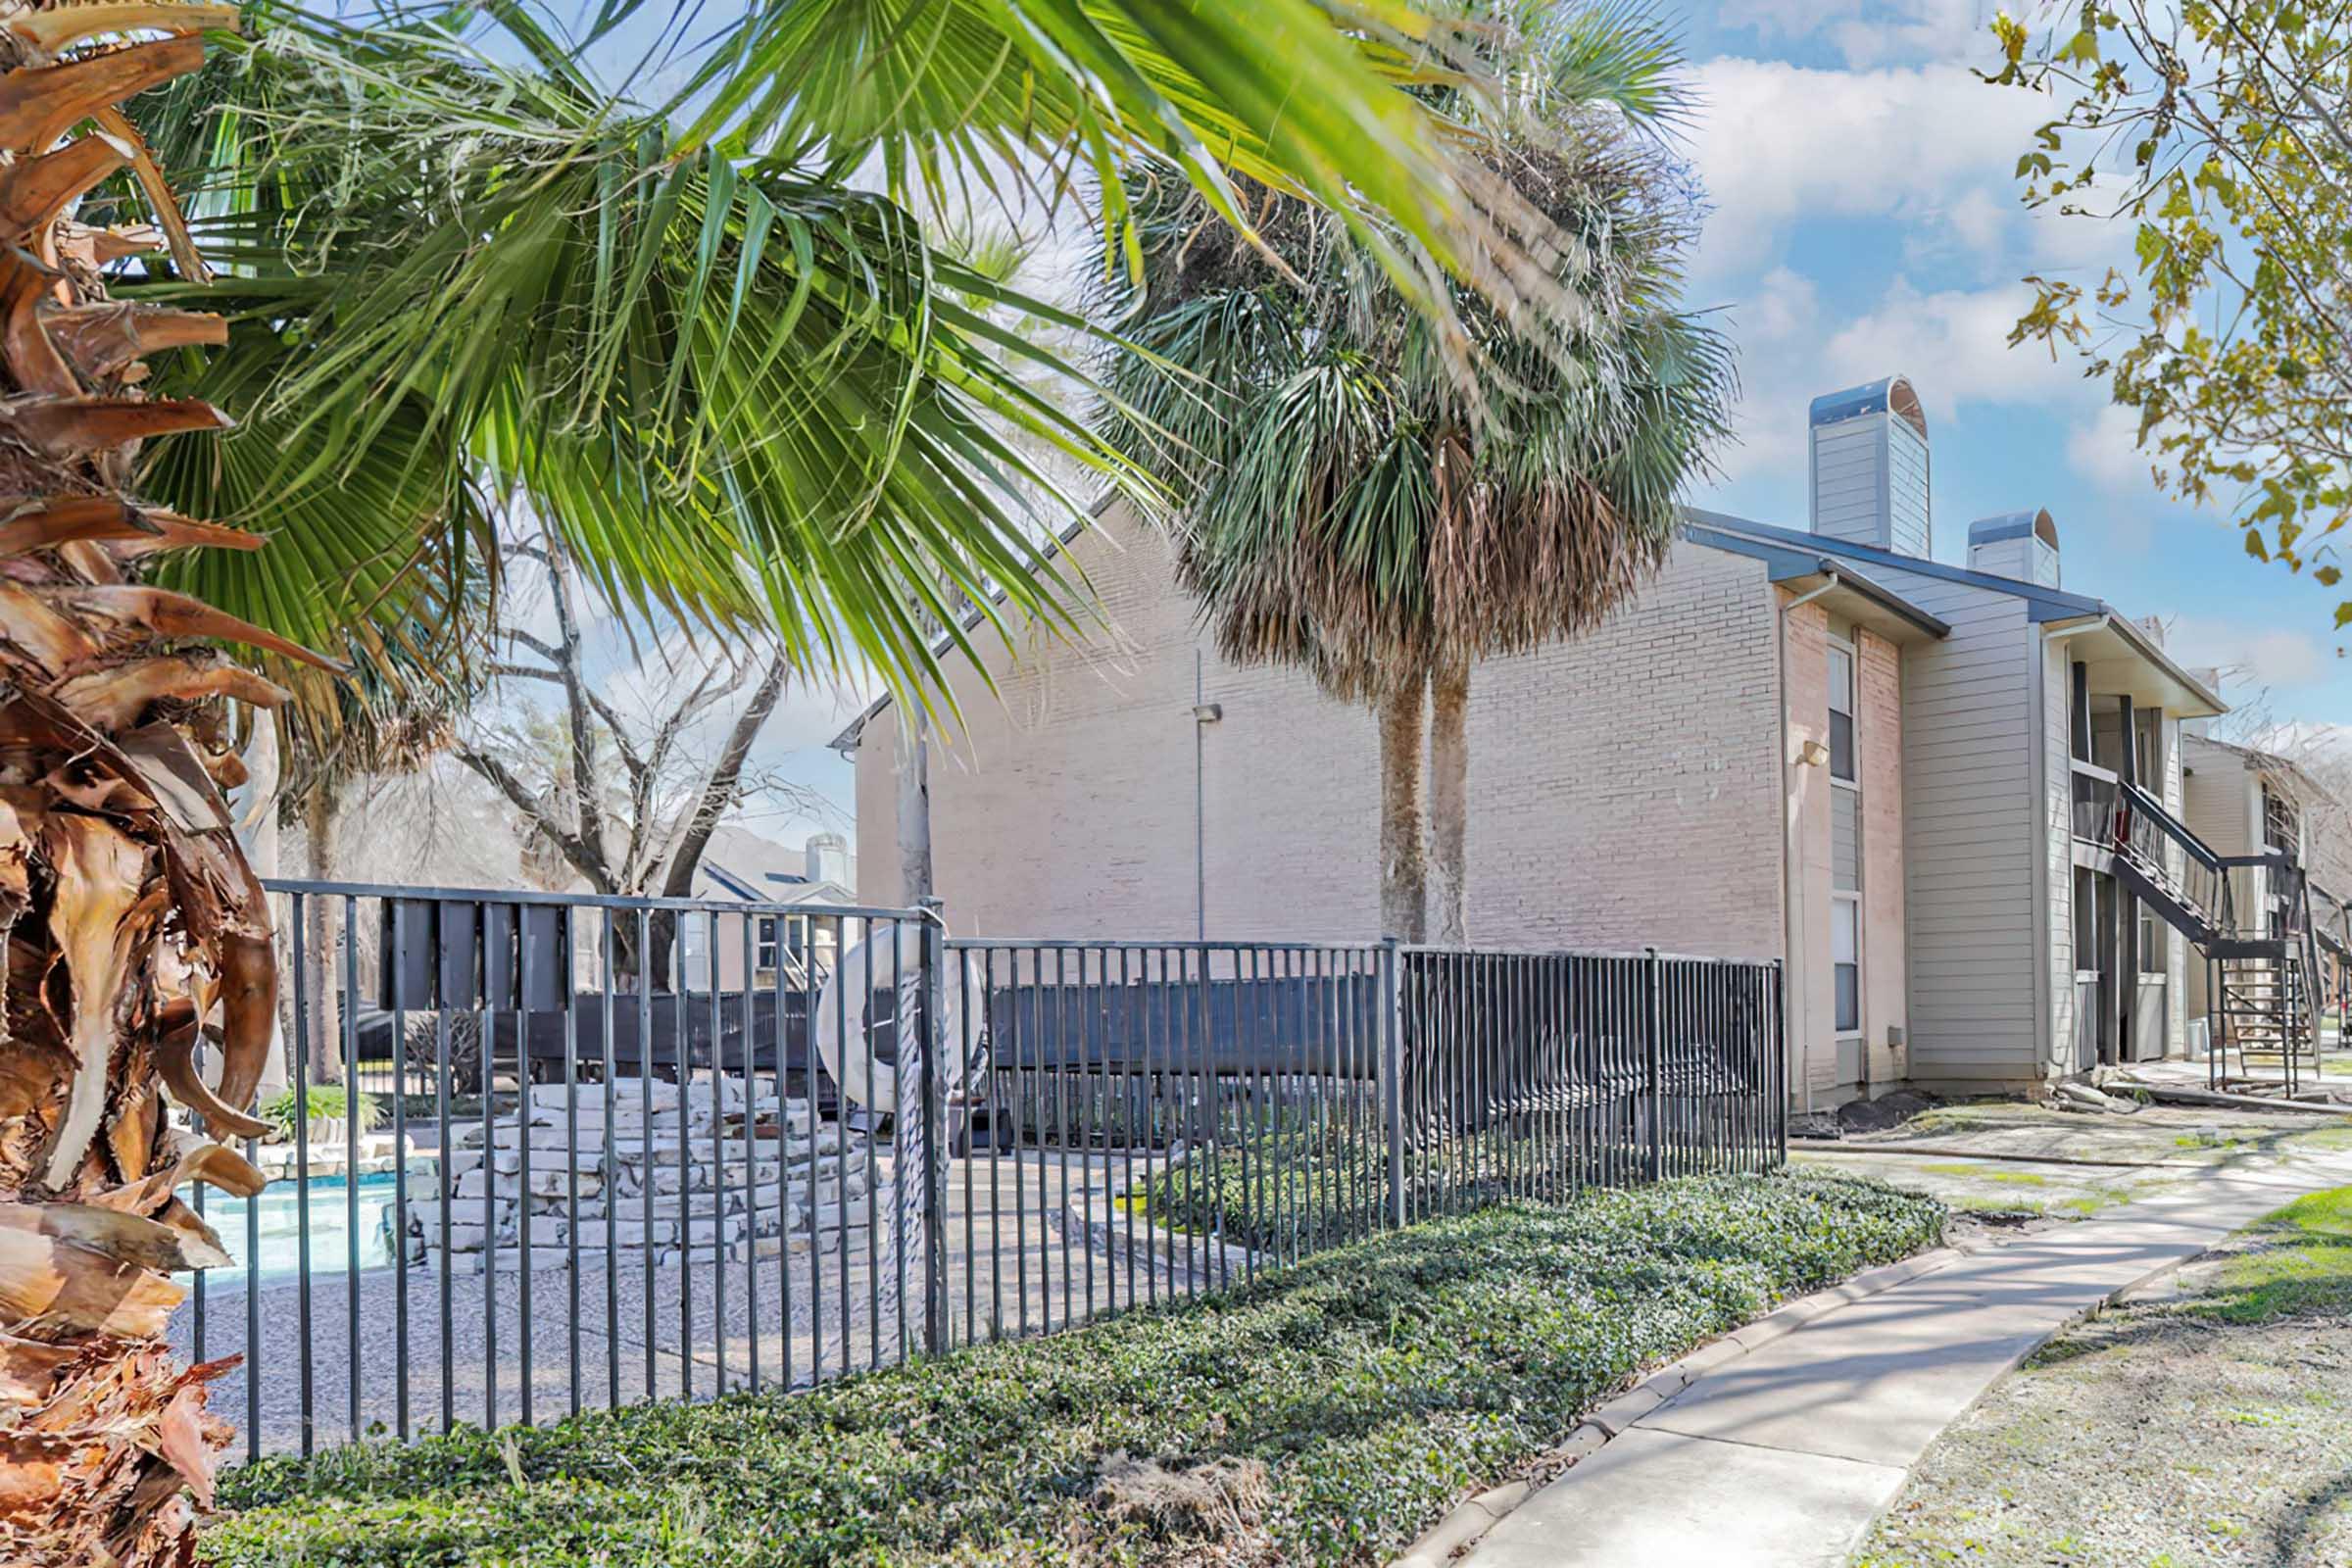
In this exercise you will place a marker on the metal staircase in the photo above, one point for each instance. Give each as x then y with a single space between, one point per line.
2271 970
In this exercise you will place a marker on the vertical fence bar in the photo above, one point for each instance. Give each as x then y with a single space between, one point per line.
969 1027
445 1179
522 1139
935 1219
750 1147
873 1249
303 1024
648 1166
349 1013
1392 1083
1089 1096
1779 1089
718 1246
683 1049
996 1028
1053 1227
608 1167
841 1124
1023 1033
569 1034
400 1166
489 1169
1653 1052
793 956
901 1092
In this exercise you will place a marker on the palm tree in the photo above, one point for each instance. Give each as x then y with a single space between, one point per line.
1348 505
740 389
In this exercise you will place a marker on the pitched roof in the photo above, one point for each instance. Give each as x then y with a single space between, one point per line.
2043 604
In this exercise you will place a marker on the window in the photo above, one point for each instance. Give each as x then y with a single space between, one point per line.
1845 960
767 941
1842 714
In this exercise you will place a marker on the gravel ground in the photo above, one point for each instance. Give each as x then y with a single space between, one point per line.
2162 1434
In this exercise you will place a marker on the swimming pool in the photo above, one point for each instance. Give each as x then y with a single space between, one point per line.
273 1232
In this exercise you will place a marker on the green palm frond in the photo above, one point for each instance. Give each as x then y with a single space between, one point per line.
737 394
1349 506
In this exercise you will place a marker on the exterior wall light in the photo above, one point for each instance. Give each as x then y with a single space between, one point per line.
1813 754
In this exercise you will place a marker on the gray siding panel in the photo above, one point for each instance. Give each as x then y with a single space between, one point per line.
1968 822
1846 840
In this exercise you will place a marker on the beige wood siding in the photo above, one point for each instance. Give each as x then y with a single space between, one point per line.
1968 836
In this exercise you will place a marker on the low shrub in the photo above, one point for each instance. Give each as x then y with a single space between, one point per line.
1294 1190
1326 1414
322 1100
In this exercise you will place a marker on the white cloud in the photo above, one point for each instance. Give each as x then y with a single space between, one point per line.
1777 330
1953 344
1777 144
2253 659
1979 220
1870 33
2104 449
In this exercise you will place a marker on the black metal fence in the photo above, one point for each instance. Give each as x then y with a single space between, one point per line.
636 1148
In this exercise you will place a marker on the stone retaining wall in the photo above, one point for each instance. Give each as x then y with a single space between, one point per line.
678 1177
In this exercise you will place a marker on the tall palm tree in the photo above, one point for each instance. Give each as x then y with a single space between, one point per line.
737 385
1348 503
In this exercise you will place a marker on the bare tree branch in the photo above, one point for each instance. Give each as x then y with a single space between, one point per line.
574 849
575 702
718 793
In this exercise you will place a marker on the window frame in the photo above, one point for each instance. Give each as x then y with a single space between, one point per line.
1853 654
1856 1030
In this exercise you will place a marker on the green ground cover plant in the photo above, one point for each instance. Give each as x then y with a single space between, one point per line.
1326 1414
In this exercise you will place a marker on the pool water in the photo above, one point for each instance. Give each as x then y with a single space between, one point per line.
274 1239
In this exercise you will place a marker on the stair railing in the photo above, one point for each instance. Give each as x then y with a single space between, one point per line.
2144 829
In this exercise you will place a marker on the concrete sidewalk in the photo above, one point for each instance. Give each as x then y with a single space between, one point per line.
1784 1456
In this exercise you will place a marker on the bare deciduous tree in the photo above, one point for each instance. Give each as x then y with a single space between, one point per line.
624 797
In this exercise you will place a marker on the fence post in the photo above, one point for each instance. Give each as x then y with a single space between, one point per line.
928 1017
1391 1074
1778 1060
1654 1031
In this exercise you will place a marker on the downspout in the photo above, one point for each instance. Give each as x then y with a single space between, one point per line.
1791 827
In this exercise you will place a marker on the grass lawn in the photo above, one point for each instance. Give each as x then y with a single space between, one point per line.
2211 1426
1327 1414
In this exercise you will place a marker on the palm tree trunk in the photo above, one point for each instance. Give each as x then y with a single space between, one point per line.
1449 797
322 804
137 930
1403 864
256 805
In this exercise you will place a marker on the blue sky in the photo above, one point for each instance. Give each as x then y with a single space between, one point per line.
1864 222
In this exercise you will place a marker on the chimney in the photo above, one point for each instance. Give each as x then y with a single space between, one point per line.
2023 545
826 858
1869 467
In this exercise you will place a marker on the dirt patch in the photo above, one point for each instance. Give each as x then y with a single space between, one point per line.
1218 1506
2208 1423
